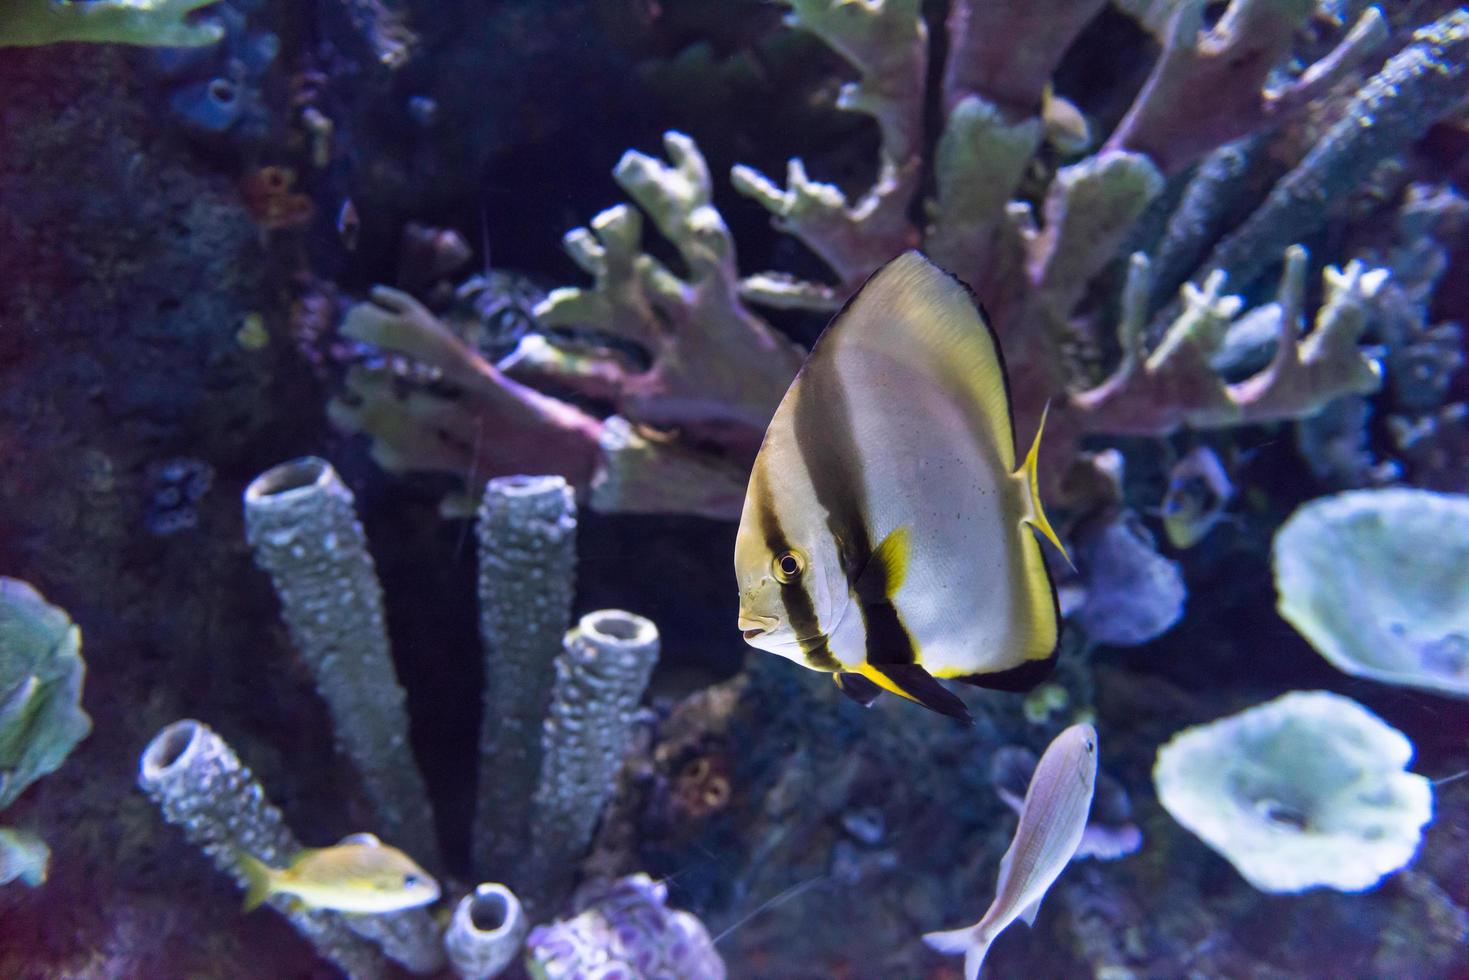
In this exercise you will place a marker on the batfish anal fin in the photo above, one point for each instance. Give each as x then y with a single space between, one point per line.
1016 680
1027 473
886 569
857 687
1027 914
911 681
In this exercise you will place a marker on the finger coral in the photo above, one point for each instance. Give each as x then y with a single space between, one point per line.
691 373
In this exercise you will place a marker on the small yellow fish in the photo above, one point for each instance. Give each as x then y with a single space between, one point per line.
1066 128
887 529
360 874
1198 491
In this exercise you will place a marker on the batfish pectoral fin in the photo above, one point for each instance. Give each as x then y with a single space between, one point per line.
1027 473
911 681
884 573
1028 914
857 687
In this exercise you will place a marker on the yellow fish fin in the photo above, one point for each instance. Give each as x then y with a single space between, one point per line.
259 880
1037 516
912 682
886 568
893 554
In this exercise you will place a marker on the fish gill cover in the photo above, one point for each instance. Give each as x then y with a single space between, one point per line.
379 494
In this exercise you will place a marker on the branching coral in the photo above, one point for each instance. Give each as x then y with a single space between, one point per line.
1042 256
155 23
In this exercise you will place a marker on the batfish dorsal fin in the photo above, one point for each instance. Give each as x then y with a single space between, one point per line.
857 687
915 314
916 684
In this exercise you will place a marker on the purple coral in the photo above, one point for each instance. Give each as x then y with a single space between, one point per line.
625 931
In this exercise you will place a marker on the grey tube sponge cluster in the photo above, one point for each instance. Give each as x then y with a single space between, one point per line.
527 564
600 679
202 787
486 933
300 523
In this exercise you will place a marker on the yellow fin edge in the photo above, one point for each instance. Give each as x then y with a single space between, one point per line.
1037 516
883 681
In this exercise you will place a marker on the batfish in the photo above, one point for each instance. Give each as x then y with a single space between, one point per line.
888 535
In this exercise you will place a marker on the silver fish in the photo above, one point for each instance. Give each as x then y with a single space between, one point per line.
1052 821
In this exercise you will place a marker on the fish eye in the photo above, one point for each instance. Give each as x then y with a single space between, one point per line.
788 566
411 880
1089 746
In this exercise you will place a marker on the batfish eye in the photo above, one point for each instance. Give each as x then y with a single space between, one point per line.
789 566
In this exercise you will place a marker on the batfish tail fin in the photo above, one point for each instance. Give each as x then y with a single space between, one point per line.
257 880
1037 516
973 941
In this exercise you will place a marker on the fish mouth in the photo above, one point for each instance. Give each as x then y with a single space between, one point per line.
753 626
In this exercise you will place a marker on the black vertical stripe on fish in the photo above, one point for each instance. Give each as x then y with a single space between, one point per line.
921 686
825 440
858 688
800 610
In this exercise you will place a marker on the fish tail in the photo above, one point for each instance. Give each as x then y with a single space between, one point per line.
258 879
973 941
1037 516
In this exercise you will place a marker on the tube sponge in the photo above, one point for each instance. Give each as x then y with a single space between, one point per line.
1376 580
600 678
527 567
486 933
300 523
1305 791
202 787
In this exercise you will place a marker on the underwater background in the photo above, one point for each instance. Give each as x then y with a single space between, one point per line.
285 285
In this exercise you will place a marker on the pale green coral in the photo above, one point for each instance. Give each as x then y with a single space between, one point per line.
41 673
1375 579
41 719
153 23
1305 791
23 857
